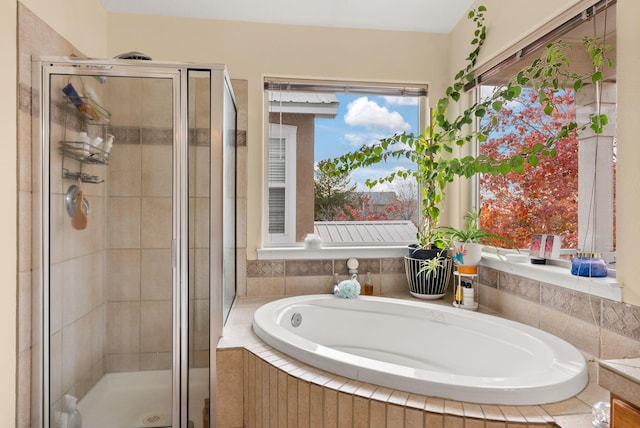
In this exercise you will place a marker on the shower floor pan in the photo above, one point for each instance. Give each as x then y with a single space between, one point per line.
140 400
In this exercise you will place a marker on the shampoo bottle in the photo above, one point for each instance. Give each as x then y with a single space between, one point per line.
74 420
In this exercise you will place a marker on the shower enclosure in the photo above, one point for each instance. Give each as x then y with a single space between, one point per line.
134 162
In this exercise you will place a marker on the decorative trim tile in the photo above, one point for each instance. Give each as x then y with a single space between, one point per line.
262 268
156 136
621 318
520 286
308 267
394 265
488 276
125 134
573 303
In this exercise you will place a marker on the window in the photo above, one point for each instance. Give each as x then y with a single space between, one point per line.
571 194
281 182
309 121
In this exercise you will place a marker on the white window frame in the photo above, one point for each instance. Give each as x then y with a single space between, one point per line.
279 245
287 133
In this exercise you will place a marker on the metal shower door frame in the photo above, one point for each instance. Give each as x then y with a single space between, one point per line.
44 68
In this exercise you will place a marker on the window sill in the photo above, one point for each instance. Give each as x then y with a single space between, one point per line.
302 253
608 288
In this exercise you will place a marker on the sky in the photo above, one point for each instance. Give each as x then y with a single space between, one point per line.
365 120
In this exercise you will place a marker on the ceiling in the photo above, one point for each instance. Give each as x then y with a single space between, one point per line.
439 16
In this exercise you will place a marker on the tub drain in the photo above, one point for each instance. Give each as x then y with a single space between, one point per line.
296 319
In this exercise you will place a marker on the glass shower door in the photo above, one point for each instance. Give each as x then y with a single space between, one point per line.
111 200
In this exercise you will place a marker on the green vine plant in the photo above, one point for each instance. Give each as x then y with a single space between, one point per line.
432 152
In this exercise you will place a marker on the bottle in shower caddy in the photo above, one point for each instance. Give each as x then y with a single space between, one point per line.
368 285
70 407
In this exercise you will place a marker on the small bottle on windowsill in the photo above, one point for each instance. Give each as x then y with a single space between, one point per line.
368 285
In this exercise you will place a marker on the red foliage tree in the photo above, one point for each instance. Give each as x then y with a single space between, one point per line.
544 198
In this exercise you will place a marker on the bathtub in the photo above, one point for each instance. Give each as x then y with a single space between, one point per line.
424 348
140 399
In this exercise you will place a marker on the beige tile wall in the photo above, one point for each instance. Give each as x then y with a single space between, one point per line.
260 387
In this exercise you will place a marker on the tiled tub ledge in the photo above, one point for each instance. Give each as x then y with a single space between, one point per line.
259 386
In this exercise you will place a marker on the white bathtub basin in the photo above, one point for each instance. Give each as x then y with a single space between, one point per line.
425 348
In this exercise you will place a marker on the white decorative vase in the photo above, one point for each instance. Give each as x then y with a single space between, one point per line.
467 256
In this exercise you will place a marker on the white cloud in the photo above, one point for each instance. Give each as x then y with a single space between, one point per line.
401 101
363 112
359 140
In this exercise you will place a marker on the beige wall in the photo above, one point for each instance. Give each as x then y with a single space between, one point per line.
252 51
628 172
81 22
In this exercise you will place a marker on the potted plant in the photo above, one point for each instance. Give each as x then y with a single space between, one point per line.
434 153
467 244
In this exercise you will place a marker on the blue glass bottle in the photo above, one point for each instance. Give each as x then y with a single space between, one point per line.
589 265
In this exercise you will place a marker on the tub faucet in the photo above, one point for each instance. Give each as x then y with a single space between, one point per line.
336 281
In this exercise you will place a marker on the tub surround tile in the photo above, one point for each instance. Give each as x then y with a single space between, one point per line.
345 410
453 408
488 276
433 419
377 414
350 387
571 421
229 369
315 406
579 333
593 392
515 308
395 416
492 412
392 265
381 394
523 287
413 418
398 397
535 415
360 412
621 319
512 415
308 268
575 304
292 402
330 408
304 411
615 346
472 411
434 405
299 285
567 407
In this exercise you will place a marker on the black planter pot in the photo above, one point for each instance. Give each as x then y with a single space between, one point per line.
427 284
414 252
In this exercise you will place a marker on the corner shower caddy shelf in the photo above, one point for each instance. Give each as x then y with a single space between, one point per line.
78 150
457 282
